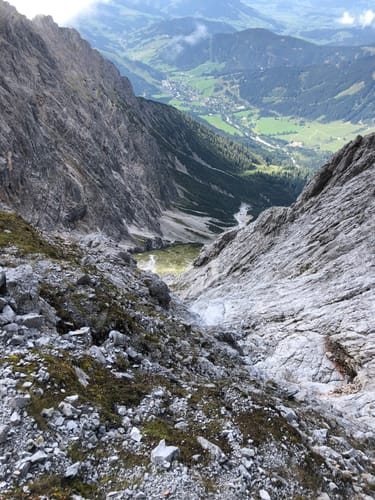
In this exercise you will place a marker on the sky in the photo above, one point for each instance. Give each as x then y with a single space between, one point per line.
61 11
64 11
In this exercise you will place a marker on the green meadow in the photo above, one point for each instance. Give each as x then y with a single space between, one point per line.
172 260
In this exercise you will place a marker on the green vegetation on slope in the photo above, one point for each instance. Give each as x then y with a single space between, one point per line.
172 260
213 181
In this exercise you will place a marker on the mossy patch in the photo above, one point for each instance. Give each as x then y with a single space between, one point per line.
16 232
54 487
103 310
103 391
158 429
265 424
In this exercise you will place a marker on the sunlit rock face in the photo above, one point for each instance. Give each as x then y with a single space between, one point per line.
298 285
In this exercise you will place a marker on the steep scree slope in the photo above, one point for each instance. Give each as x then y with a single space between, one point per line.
99 364
298 285
78 150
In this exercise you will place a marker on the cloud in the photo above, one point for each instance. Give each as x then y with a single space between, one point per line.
178 43
365 19
62 11
347 19
200 33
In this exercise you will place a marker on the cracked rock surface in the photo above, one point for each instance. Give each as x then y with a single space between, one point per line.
296 288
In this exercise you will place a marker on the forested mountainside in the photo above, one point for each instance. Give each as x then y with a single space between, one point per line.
342 91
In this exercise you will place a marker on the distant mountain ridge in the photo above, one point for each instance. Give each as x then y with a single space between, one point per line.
344 91
276 73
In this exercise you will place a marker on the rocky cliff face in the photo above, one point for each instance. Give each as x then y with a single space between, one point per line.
297 287
69 151
79 151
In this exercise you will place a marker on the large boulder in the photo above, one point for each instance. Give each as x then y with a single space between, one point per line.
23 287
158 290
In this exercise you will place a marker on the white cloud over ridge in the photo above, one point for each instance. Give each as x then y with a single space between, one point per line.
365 19
62 11
178 43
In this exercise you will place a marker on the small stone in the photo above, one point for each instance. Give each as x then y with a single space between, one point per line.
244 472
97 354
163 453
60 421
22 468
84 334
7 316
247 463
84 280
264 495
39 456
15 418
3 283
290 415
159 290
121 410
73 470
71 426
21 401
31 320
23 287
125 256
4 430
369 479
133 354
332 486
136 435
214 450
118 339
3 303
47 412
247 452
158 393
66 409
183 426
83 378
320 435
72 399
